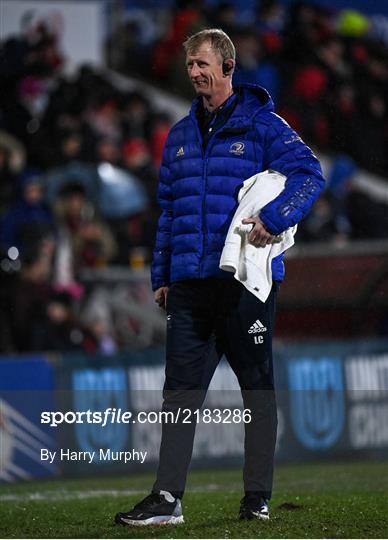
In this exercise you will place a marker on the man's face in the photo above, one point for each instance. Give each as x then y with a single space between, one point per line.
204 68
33 193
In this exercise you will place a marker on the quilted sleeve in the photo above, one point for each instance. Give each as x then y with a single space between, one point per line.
160 267
286 153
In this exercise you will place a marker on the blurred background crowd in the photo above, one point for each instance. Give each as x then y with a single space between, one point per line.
79 155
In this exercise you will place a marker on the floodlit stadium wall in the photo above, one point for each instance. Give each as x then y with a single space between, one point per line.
332 403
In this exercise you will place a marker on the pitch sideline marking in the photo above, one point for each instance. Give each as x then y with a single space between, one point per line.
64 495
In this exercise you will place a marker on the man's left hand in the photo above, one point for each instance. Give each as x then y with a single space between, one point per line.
258 236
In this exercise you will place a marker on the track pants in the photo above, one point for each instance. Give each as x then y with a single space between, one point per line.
207 318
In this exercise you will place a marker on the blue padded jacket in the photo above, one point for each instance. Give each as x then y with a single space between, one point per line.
198 188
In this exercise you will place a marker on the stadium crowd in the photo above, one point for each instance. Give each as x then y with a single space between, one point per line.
327 71
57 130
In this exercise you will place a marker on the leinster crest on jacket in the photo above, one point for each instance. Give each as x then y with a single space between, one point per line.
237 148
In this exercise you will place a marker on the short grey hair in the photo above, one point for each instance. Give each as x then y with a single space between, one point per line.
219 40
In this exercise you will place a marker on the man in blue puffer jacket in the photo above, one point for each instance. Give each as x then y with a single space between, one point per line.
229 135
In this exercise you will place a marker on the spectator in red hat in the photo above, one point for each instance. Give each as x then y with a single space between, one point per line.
307 103
136 158
161 126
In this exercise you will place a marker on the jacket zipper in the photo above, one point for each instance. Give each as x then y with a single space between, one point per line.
205 157
203 216
204 175
203 226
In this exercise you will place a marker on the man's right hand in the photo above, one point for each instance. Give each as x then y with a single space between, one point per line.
160 296
259 236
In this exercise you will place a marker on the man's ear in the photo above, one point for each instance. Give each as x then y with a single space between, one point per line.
227 67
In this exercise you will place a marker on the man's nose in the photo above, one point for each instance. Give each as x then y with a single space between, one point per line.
194 70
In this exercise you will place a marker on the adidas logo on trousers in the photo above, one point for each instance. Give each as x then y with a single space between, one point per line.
257 327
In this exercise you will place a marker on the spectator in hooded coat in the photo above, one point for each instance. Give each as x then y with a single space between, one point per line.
29 220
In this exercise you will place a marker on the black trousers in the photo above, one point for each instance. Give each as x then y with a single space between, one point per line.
207 318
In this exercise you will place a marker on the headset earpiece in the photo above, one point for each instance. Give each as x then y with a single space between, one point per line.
226 68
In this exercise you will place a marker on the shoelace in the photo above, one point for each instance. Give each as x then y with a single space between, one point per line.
151 500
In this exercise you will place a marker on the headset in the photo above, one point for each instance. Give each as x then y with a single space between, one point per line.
226 68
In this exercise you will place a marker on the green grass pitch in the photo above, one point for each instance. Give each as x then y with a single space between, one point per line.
341 500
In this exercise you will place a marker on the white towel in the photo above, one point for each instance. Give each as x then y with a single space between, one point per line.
252 265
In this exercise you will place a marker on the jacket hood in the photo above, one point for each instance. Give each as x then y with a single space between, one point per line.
255 96
252 100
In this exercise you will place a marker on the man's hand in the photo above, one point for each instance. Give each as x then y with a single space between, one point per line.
258 236
160 296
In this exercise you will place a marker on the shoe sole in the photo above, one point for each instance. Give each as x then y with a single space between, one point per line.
254 516
157 520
